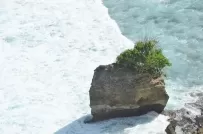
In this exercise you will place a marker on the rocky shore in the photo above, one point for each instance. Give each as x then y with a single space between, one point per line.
184 120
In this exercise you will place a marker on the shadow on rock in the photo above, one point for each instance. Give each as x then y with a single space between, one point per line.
112 126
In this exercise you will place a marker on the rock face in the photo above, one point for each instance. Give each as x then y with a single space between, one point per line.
121 92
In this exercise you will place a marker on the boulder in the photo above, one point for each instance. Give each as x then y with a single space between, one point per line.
122 92
171 128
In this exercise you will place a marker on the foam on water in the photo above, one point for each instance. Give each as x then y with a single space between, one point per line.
48 51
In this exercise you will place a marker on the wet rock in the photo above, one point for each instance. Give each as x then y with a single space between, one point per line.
189 122
171 128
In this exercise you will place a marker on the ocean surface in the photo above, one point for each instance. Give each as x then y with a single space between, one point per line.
50 48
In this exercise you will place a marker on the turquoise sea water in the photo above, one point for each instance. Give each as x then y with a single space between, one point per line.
178 26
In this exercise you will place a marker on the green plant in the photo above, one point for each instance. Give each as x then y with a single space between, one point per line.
144 57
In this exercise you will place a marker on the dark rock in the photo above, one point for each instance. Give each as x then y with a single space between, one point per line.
171 128
185 119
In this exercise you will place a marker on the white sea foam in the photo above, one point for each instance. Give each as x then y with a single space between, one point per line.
48 51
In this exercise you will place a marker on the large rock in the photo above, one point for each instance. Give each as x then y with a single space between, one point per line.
121 92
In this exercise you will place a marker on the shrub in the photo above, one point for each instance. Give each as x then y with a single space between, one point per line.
144 57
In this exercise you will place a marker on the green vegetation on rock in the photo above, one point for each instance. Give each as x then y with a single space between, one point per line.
144 57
